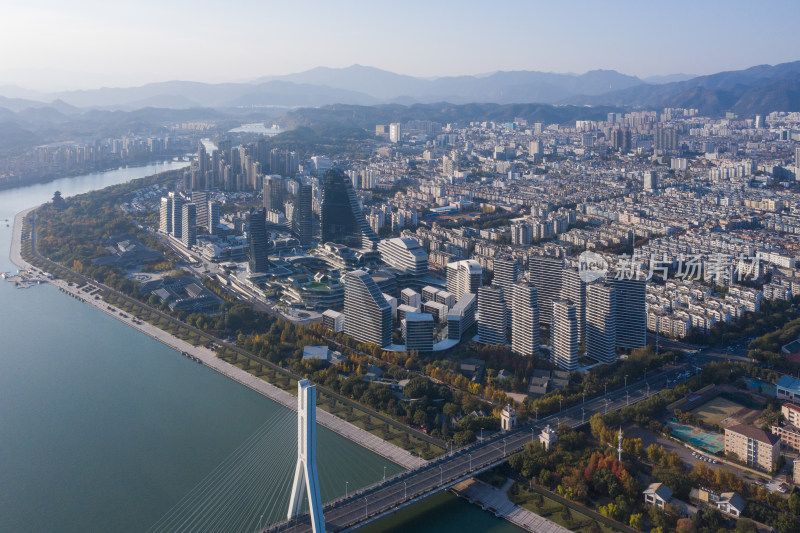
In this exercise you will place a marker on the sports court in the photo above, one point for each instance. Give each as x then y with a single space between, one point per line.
710 442
717 411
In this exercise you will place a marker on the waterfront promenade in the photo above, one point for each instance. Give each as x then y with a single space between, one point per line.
497 502
208 358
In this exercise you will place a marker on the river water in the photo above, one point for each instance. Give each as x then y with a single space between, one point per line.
103 428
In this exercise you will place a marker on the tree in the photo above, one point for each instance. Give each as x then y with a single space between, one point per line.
636 521
610 510
450 409
685 525
462 438
420 417
794 502
708 518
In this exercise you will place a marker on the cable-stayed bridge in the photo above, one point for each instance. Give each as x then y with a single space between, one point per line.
235 497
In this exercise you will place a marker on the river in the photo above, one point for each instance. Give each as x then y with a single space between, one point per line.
103 428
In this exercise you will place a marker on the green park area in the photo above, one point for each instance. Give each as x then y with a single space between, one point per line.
567 515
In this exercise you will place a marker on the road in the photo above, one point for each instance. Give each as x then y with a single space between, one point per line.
406 488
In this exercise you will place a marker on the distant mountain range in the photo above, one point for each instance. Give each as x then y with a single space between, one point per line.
755 90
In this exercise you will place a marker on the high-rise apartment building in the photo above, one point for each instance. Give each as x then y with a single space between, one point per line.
165 218
492 315
521 234
342 220
601 323
665 138
395 132
650 181
301 215
273 193
368 316
564 333
200 199
258 241
189 223
573 289
545 274
630 312
506 272
525 319
418 332
463 277
213 217
177 214
461 317
202 168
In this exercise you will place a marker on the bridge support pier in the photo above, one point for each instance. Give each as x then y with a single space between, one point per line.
305 474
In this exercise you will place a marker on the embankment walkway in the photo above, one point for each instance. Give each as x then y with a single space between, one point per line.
208 357
496 501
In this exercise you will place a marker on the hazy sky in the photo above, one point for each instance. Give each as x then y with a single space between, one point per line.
119 42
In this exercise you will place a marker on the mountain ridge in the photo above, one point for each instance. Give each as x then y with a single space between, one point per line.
757 89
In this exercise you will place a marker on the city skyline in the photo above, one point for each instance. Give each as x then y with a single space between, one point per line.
92 44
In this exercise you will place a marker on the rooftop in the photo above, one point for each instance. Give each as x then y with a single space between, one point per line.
789 383
754 433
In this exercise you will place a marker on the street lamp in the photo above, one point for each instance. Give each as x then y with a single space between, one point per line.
470 462
583 415
365 507
441 474
384 473
531 434
626 381
504 447
405 490
345 488
606 406
626 398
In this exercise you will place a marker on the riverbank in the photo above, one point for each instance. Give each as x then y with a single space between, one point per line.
116 165
496 501
209 358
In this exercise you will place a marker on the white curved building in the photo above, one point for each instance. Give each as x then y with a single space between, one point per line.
406 255
463 277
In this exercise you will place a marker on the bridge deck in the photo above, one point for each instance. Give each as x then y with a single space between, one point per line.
381 499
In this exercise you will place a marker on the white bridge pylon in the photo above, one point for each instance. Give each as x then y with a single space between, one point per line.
305 474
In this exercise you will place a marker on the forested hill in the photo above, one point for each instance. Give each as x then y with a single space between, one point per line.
367 117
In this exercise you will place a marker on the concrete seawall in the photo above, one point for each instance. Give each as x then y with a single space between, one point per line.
208 358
